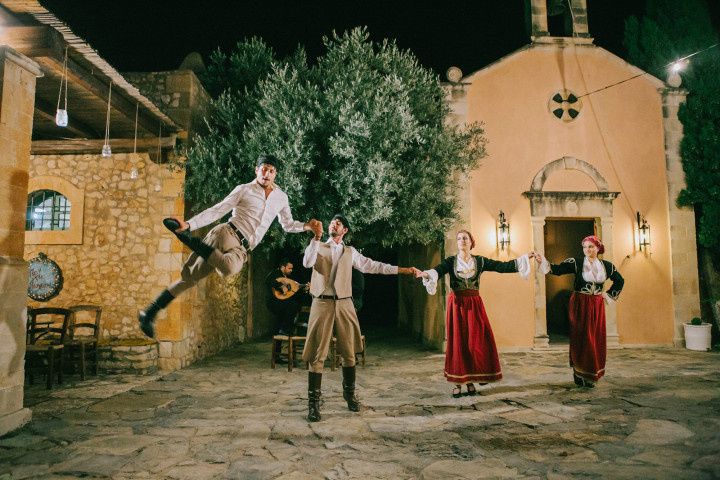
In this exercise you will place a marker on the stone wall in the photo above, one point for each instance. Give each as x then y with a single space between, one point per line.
137 357
178 93
204 320
127 257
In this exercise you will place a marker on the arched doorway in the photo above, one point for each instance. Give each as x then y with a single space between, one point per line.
595 206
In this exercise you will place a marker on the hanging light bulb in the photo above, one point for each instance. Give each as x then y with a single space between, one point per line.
678 66
134 173
106 150
61 115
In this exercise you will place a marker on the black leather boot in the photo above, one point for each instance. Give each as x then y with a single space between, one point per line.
314 389
349 389
195 244
147 317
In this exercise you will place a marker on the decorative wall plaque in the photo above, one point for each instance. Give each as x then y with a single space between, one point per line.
46 278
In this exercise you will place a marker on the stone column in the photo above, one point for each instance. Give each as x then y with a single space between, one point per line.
611 331
578 10
17 102
683 246
542 339
536 11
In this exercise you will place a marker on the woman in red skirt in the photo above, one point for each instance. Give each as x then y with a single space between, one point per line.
471 354
587 308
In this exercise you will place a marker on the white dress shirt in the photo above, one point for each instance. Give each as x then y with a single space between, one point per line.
359 261
252 213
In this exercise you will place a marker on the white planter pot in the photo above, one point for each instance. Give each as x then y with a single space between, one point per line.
697 337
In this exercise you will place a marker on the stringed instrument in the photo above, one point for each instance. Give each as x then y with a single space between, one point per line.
288 288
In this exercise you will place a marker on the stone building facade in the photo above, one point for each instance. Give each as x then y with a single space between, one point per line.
565 153
124 256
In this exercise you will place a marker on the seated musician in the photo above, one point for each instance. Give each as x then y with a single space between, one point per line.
283 296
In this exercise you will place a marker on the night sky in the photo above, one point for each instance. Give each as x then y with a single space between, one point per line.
157 34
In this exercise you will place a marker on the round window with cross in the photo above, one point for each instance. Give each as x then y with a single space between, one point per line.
565 105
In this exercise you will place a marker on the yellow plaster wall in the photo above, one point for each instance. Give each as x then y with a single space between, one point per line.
619 132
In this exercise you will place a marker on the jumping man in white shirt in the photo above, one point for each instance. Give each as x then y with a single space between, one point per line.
254 206
332 312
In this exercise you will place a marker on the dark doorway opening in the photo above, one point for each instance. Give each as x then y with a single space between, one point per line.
380 297
563 237
559 19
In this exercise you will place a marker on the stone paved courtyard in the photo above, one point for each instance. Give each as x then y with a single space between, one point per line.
656 415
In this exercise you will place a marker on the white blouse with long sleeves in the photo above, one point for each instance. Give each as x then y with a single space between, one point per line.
591 272
466 269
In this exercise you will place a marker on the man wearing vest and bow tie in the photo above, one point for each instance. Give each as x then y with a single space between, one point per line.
332 311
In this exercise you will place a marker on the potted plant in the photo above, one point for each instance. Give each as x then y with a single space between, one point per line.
697 335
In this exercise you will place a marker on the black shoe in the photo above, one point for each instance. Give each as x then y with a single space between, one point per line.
171 224
314 389
457 392
146 317
352 401
471 389
195 244
147 324
348 385
582 382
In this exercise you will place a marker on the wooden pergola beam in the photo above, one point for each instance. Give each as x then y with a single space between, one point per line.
28 40
46 46
94 146
74 126
78 75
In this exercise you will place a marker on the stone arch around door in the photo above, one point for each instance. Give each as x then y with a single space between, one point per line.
586 204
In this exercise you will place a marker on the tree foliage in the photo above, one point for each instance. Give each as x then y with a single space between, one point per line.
672 30
362 131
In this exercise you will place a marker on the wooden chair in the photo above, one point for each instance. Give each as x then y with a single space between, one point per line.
45 341
336 359
83 337
294 343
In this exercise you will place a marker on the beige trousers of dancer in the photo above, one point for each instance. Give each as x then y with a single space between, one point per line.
330 318
228 258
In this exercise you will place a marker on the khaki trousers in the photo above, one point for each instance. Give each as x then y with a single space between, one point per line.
228 258
330 318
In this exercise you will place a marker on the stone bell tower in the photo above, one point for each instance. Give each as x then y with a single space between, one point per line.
556 18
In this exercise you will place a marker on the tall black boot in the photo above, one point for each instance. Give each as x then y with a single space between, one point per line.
349 389
314 384
195 244
147 317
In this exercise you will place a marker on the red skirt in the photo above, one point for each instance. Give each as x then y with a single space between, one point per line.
471 352
587 336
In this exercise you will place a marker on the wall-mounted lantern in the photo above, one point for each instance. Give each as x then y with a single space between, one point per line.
643 230
503 232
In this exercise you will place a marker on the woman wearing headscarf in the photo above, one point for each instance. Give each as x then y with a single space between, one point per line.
587 308
471 354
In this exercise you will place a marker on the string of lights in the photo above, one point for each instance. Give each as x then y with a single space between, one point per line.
675 66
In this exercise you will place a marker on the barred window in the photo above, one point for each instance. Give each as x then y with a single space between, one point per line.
47 210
